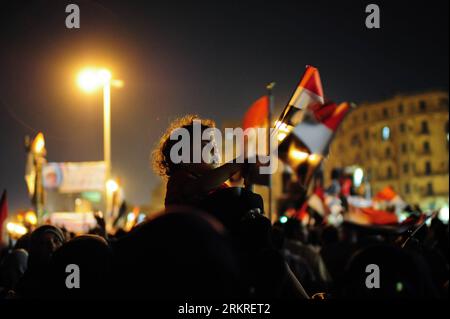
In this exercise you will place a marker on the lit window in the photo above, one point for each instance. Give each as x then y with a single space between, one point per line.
385 133
358 177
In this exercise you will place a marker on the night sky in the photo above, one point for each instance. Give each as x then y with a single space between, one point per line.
210 58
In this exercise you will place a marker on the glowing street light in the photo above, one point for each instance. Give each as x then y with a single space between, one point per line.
90 79
112 186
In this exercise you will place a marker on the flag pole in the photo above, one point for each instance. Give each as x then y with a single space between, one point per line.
269 88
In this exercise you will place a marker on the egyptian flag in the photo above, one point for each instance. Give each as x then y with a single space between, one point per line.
314 206
258 114
307 144
3 212
371 216
386 194
308 92
318 125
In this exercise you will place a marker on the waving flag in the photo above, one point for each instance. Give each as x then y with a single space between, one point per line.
386 194
258 114
307 144
308 92
318 125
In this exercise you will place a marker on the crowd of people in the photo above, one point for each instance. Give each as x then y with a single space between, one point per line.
214 242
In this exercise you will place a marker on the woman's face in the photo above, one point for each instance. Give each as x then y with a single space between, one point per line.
210 152
210 157
46 246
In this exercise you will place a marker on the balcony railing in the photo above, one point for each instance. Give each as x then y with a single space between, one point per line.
432 173
433 193
423 152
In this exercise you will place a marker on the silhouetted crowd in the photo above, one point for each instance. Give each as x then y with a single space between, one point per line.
185 252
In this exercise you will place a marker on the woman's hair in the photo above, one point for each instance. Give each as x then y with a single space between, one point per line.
162 164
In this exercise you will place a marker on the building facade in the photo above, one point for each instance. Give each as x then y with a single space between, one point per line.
402 142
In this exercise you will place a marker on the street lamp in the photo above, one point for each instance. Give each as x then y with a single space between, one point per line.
89 80
112 186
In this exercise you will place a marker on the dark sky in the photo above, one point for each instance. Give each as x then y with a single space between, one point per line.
210 58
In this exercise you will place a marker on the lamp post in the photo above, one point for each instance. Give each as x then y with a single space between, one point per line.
89 80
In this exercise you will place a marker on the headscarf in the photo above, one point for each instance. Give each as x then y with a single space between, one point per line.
35 244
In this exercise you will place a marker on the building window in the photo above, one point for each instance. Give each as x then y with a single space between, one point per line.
422 106
430 190
405 168
368 154
366 134
385 113
400 108
385 133
424 127
407 188
387 152
404 148
365 116
443 102
402 127
428 168
426 147
355 140
389 172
